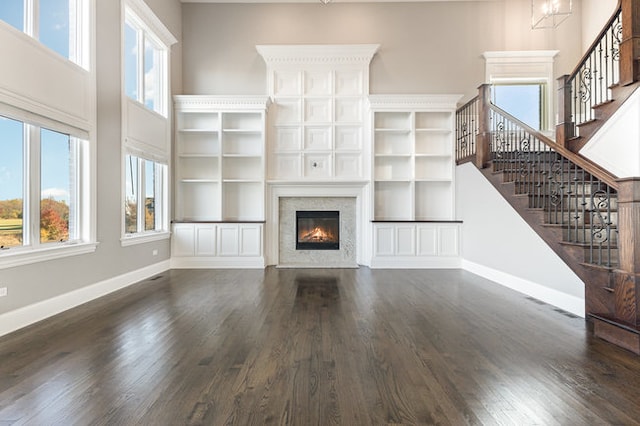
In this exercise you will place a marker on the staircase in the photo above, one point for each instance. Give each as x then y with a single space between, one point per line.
586 215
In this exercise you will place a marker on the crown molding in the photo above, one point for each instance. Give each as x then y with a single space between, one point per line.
317 54
413 102
222 103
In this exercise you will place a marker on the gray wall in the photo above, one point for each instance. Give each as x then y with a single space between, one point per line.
429 47
32 283
595 14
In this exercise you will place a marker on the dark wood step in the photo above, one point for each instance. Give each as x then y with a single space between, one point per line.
614 331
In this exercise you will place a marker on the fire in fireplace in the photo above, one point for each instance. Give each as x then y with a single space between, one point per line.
317 230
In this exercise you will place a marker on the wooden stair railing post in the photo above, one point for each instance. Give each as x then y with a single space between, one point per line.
627 277
483 140
565 129
630 44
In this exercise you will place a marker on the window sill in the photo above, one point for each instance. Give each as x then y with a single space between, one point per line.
131 240
18 257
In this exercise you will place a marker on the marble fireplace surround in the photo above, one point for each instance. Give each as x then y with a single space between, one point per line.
283 201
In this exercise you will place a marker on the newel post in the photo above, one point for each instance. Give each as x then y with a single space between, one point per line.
565 129
483 141
627 277
630 44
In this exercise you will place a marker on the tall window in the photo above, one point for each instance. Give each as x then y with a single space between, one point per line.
40 200
145 96
58 24
144 65
145 183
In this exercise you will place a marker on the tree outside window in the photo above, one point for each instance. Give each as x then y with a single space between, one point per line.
144 186
39 174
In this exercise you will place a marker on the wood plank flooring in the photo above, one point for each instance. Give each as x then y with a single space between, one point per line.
315 347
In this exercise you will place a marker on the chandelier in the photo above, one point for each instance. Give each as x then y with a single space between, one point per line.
549 13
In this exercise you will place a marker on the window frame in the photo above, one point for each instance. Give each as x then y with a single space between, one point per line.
528 66
33 250
146 141
79 29
145 31
161 230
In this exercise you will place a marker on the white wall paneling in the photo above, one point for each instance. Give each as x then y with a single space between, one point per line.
217 245
416 245
318 117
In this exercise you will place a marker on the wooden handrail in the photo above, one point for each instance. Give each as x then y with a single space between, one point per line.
583 162
465 106
596 41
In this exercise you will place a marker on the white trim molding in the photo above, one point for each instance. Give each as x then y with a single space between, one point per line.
412 102
27 315
317 54
188 103
526 66
564 301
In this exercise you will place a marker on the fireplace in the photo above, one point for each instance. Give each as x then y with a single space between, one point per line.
317 230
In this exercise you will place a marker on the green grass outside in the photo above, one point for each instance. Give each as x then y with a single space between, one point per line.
10 225
10 232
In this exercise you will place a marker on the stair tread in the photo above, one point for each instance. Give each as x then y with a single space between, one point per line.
603 103
586 123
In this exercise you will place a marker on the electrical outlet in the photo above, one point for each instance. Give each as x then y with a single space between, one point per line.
3 291
155 252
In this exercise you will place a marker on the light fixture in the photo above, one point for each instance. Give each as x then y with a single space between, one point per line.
549 13
325 1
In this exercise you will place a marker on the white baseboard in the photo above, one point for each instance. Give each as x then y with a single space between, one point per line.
415 262
564 301
213 262
22 317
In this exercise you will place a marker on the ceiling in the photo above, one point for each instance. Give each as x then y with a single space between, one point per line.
317 1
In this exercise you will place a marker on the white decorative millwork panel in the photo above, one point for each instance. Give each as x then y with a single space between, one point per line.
348 110
350 82
317 138
317 110
320 90
287 83
287 111
348 138
317 165
416 245
348 165
317 83
287 139
217 245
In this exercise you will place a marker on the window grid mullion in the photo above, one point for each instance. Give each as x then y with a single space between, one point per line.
140 65
34 185
141 195
31 18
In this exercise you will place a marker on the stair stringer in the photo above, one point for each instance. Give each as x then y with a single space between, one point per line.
615 145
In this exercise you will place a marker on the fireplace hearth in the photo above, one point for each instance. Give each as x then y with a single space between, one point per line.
317 230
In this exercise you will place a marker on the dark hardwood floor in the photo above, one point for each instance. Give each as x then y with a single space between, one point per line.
315 347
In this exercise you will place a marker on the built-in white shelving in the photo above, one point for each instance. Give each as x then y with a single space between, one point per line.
220 158
219 181
413 186
413 157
